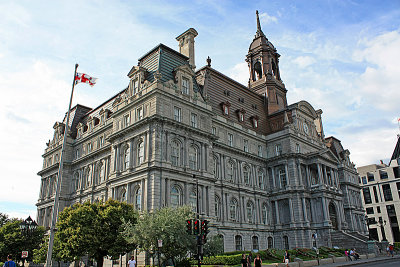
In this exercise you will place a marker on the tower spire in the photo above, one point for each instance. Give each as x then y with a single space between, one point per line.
259 31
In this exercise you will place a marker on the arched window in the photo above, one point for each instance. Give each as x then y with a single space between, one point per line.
254 241
175 153
127 157
250 212
176 196
217 208
122 196
138 198
285 242
238 243
216 167
75 183
140 152
264 213
257 71
270 242
88 176
233 206
282 177
261 182
230 171
246 175
193 200
102 172
193 158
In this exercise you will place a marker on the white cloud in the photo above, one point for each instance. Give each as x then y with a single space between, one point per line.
266 19
304 61
240 73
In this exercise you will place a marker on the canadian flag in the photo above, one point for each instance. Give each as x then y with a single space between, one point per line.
84 78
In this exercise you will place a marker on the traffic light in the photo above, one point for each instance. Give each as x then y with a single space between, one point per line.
189 226
196 227
204 227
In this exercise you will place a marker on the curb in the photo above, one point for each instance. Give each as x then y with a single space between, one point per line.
370 261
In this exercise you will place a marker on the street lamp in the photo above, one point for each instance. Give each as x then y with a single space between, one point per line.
381 223
27 227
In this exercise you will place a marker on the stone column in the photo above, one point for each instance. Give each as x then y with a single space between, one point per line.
128 193
278 221
304 206
324 210
132 157
291 212
143 188
167 191
204 205
319 173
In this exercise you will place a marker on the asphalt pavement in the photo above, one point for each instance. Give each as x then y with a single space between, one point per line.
385 261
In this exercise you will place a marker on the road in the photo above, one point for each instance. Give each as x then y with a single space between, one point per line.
394 263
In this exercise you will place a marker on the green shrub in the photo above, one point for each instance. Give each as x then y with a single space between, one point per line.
222 260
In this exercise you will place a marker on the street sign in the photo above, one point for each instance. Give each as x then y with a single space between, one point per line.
159 243
24 254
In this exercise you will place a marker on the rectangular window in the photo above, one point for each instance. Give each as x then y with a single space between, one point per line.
246 145
226 110
376 195
101 141
77 153
193 120
370 210
370 177
177 114
387 192
396 172
398 188
278 150
230 139
139 114
135 86
89 147
185 86
214 131
364 180
126 120
260 151
383 174
282 178
367 195
378 209
297 148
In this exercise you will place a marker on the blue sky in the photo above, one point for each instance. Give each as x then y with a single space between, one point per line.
341 56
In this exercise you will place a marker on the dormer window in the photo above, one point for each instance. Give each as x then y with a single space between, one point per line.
254 120
241 113
185 86
225 108
135 86
85 128
96 121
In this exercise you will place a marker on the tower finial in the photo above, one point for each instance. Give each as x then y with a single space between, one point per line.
258 22
259 31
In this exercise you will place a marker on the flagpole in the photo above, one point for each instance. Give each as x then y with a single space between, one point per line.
59 180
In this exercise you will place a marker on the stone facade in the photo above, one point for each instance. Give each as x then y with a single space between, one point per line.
267 175
381 197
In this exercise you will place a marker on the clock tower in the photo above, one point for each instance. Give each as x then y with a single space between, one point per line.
265 79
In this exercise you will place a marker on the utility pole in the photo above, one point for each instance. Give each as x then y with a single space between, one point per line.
199 243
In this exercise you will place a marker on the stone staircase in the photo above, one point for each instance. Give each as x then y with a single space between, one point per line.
346 240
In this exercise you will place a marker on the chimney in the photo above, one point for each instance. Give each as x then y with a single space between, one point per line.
186 45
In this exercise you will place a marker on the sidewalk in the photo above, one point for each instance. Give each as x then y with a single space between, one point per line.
361 262
380 258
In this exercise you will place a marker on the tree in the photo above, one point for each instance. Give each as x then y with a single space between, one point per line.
214 246
40 254
13 241
94 229
167 224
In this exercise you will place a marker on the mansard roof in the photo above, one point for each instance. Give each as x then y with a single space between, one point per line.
220 88
396 152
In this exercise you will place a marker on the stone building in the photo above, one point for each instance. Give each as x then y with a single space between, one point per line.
267 175
381 197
